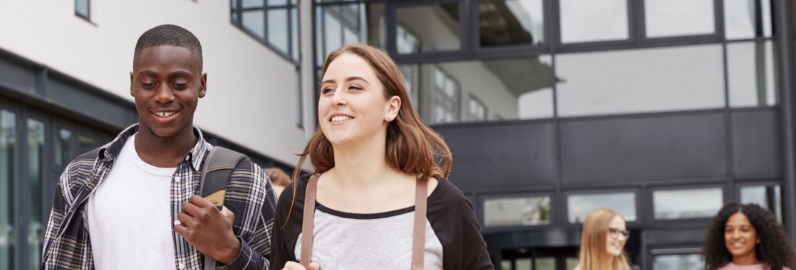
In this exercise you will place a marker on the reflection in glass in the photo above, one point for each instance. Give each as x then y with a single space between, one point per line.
545 263
63 147
411 77
510 22
642 80
678 262
278 29
572 262
588 20
687 203
254 21
81 8
405 41
36 216
86 144
523 264
436 26
294 32
517 211
579 205
476 110
8 141
274 3
769 197
505 265
751 74
252 3
747 19
507 89
347 23
665 18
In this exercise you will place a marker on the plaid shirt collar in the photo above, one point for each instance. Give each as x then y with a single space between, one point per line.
111 150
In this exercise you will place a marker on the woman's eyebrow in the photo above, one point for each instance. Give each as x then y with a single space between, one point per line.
356 78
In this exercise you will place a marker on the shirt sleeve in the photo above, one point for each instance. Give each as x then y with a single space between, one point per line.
287 225
475 256
255 248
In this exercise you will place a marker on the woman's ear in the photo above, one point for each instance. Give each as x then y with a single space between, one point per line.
393 107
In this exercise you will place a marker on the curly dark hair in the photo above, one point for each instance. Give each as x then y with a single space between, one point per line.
775 248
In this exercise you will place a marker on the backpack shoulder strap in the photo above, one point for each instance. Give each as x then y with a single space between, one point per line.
308 222
217 169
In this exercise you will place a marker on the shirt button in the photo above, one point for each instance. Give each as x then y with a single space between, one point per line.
177 179
182 266
177 222
188 158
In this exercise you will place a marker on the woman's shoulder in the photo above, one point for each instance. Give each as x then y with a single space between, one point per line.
286 198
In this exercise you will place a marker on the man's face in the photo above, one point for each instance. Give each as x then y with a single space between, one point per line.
166 83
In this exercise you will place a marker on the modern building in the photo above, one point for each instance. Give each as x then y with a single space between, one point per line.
663 110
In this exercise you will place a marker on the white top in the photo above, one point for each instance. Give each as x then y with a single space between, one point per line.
129 215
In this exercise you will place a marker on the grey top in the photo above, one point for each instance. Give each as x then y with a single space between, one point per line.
368 241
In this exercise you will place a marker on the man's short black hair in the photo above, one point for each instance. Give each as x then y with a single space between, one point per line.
168 35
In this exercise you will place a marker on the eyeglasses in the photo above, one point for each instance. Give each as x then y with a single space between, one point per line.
616 232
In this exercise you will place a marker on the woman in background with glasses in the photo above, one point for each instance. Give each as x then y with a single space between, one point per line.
746 237
602 241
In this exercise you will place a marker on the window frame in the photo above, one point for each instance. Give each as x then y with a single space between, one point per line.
478 205
650 215
640 218
237 21
87 16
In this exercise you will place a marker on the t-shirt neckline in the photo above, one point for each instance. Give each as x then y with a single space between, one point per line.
141 164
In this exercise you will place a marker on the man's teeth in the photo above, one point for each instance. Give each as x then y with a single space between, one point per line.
165 114
340 118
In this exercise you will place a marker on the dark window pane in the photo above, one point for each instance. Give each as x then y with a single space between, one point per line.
36 221
82 7
587 20
510 22
86 144
687 203
751 74
579 205
254 21
678 262
665 18
63 147
252 3
517 211
642 80
339 25
294 33
8 141
769 197
320 52
435 26
277 29
747 19
544 263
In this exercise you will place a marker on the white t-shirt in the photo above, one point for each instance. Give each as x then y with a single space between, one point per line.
129 215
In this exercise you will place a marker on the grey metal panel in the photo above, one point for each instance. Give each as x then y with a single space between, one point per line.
532 238
674 237
756 143
17 77
74 98
502 155
643 148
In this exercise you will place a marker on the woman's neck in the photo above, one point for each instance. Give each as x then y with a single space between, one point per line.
747 259
362 164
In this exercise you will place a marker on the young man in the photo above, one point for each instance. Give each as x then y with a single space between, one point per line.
131 204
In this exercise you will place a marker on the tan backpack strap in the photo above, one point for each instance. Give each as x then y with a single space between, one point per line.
419 238
309 217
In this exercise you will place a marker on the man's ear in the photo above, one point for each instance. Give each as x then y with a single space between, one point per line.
393 107
203 89
131 84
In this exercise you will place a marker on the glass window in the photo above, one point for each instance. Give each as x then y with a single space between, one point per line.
751 74
8 142
475 110
82 8
63 147
642 80
517 211
36 217
572 262
523 263
299 101
588 20
405 41
665 18
410 74
579 205
505 265
86 143
769 197
435 26
687 203
340 25
544 263
274 22
678 262
510 89
510 22
747 19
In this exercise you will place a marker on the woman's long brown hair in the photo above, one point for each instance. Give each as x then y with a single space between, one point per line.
593 253
412 147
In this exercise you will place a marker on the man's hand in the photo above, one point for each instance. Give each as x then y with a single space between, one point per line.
297 266
208 230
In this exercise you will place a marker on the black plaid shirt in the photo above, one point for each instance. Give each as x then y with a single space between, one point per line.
249 195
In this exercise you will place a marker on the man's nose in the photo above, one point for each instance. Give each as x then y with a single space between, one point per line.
164 94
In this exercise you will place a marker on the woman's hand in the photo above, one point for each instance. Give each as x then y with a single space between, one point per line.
297 266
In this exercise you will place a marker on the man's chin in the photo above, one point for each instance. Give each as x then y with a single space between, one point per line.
164 133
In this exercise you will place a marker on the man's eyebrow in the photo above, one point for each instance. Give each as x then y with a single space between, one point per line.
149 73
180 73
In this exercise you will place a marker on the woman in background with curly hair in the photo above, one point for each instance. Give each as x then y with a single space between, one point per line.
746 237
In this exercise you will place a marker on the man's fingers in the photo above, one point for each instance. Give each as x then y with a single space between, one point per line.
182 230
190 208
315 266
228 214
200 202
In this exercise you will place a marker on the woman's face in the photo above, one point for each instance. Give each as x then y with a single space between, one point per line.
740 237
615 239
352 104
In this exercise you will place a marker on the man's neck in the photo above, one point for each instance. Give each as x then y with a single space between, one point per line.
164 152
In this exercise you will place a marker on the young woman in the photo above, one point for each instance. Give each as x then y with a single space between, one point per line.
372 153
602 241
746 237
